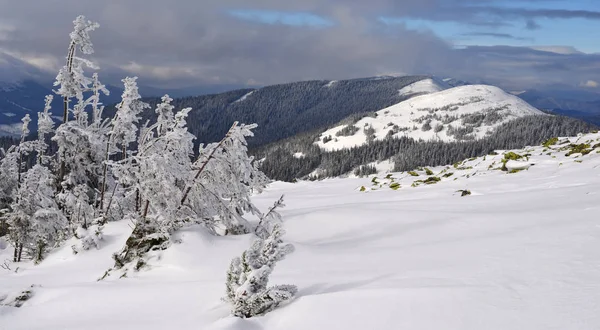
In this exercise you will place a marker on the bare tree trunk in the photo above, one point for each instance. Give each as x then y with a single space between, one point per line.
137 200
189 187
146 209
16 253
104 173
63 168
20 252
70 55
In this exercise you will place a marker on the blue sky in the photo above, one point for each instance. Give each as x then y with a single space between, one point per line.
580 33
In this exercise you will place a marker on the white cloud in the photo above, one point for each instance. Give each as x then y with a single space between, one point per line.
590 84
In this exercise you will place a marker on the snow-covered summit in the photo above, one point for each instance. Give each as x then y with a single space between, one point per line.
425 86
459 113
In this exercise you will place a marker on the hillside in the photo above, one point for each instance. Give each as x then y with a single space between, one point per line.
285 110
440 124
459 113
520 252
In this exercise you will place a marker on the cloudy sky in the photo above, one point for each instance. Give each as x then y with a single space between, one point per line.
514 44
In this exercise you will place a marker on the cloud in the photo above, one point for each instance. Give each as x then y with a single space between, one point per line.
590 84
530 24
262 42
496 35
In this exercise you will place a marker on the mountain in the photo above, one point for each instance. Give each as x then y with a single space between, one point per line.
566 101
441 127
480 248
285 110
437 115
27 97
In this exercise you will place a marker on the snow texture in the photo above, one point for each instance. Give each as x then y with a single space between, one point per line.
521 252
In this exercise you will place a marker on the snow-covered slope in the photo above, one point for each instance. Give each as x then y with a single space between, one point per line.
462 112
521 252
425 86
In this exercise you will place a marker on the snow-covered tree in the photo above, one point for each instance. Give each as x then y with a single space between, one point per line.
70 78
156 175
225 179
35 222
45 127
124 125
247 287
80 143
9 168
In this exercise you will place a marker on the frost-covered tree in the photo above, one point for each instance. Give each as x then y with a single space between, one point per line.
35 222
45 127
225 179
80 143
124 125
155 175
70 78
247 287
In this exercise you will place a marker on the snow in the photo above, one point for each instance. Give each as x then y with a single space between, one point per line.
299 155
409 115
521 252
9 114
243 98
425 86
10 129
331 83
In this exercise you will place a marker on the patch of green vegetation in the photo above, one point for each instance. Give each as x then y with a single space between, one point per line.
447 175
363 188
550 142
464 192
509 156
374 181
413 173
395 186
579 161
516 170
389 176
512 156
432 180
428 171
472 159
457 164
582 148
464 168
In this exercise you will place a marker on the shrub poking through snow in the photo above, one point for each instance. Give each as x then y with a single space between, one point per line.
550 142
464 192
582 148
248 277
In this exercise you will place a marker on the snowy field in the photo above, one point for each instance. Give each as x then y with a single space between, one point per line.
521 252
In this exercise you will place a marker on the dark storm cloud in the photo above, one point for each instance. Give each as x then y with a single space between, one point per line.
200 43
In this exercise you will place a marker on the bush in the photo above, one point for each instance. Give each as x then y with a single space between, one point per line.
550 142
248 276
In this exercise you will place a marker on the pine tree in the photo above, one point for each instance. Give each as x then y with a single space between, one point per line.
247 277
35 222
